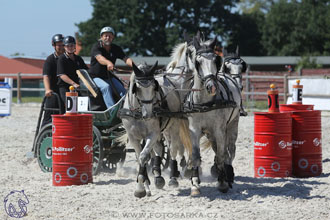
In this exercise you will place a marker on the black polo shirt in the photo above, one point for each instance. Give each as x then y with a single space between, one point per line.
68 67
99 70
50 70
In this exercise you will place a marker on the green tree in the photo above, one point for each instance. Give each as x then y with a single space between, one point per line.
148 27
246 33
297 28
253 6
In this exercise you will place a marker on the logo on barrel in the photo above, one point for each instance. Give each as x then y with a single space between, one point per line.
283 144
317 142
63 149
259 145
88 149
297 143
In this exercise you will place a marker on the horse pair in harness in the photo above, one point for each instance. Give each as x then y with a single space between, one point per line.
189 100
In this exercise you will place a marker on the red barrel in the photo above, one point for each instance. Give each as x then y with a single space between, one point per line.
295 107
307 144
72 149
272 144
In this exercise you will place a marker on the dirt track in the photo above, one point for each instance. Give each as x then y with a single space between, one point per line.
111 195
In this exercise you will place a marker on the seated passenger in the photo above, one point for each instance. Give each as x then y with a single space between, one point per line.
67 65
103 58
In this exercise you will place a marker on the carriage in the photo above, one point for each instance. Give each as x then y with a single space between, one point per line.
107 126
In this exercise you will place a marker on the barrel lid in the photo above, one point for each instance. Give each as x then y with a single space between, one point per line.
75 115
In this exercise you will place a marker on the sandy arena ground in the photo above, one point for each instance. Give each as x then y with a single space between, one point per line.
111 195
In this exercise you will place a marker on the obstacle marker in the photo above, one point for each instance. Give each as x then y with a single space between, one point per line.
72 149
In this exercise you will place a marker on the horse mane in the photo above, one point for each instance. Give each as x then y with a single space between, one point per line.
176 55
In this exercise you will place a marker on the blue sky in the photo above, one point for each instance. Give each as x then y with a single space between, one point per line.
27 26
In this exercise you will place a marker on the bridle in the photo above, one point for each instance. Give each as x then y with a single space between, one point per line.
210 56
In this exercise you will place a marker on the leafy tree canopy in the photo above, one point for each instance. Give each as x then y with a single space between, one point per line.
152 28
259 27
297 28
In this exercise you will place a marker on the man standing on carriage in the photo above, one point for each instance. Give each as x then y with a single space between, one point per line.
50 77
103 58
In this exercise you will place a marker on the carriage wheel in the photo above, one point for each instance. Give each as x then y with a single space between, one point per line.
116 155
97 150
43 146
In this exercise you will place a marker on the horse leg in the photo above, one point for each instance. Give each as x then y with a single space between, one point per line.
143 181
156 169
222 184
149 144
214 169
195 135
232 132
142 177
174 142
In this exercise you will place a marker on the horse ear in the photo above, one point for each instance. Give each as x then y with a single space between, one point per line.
213 43
156 85
137 71
196 43
237 51
198 36
203 36
153 68
243 67
134 88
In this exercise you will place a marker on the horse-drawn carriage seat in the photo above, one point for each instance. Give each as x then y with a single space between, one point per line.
85 81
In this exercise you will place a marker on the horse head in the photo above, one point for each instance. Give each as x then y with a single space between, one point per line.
202 57
145 87
234 65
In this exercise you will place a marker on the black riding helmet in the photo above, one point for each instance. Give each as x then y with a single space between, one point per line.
57 38
69 40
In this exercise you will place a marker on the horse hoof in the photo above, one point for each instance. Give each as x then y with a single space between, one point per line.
183 162
223 187
173 183
148 193
140 194
159 182
195 192
187 173
214 171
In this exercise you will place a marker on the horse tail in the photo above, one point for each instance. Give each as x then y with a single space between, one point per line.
185 136
122 139
205 143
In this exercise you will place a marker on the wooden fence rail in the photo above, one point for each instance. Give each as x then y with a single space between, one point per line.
247 90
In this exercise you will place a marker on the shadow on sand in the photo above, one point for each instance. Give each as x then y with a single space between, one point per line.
246 187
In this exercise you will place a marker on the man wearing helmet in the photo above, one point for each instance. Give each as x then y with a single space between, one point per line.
50 77
67 65
103 58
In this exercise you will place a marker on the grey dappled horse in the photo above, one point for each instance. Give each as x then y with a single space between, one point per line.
175 84
234 65
214 103
141 125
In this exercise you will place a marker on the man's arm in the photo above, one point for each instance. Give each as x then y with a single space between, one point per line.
129 62
48 91
67 79
104 61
